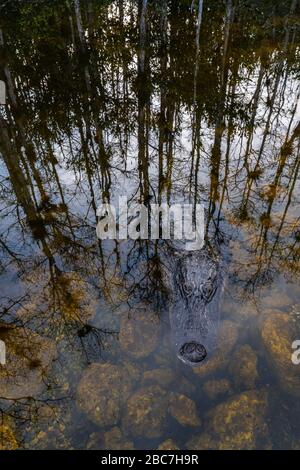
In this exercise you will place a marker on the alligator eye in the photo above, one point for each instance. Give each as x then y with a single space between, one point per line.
188 289
208 290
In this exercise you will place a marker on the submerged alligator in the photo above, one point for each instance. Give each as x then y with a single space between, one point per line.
195 282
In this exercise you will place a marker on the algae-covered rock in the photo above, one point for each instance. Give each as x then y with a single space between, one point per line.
133 370
8 440
184 386
169 444
239 423
184 410
139 333
216 388
275 299
49 426
115 440
55 438
110 440
278 333
76 300
95 441
28 359
46 415
227 338
145 412
102 391
162 376
239 309
202 442
164 355
243 367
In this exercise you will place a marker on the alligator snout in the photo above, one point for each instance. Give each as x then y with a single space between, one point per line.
192 353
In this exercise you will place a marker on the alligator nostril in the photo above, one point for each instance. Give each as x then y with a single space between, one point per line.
193 352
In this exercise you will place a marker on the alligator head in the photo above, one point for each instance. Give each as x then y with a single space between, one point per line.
195 284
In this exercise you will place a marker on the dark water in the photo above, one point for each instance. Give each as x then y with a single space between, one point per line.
159 102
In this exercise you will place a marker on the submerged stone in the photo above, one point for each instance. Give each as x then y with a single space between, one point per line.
227 338
202 442
216 388
236 424
240 310
133 370
145 412
162 376
102 391
8 440
139 334
276 299
76 300
184 410
169 444
243 367
115 440
80 300
240 422
110 440
278 333
28 359
53 438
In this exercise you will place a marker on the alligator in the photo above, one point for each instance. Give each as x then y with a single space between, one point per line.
195 282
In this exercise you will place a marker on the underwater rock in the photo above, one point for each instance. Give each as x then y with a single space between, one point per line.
278 333
8 440
239 423
164 355
216 388
28 359
76 300
115 440
202 442
48 426
102 391
169 444
47 415
227 338
53 438
239 309
275 299
110 440
139 333
133 370
184 386
166 377
243 367
80 300
162 376
145 412
95 441
184 410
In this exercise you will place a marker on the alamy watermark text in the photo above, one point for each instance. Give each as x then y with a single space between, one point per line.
156 221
